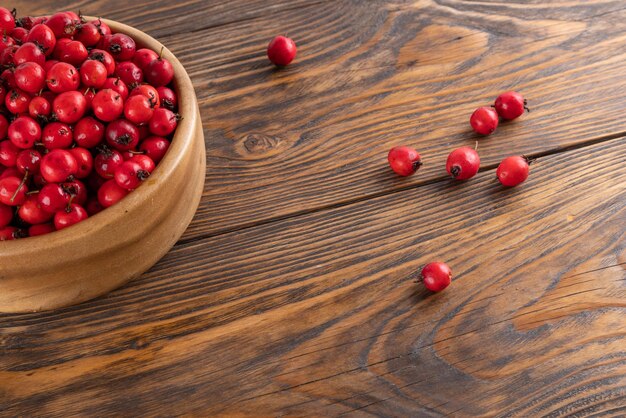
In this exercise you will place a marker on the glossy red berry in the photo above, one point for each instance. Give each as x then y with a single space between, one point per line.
42 36
139 109
122 47
110 193
117 85
107 161
93 74
103 57
88 34
484 120
84 159
29 52
88 132
24 132
39 109
168 98
93 206
122 135
58 165
160 72
404 161
129 73
62 25
144 161
28 161
155 147
69 106
30 77
463 163
510 105
436 276
7 20
69 216
12 191
8 154
107 105
513 170
148 91
281 50
17 101
163 122
32 213
72 52
62 77
130 175
19 34
76 190
57 135
52 198
143 57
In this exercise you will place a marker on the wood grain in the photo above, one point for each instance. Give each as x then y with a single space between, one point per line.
164 18
320 315
367 78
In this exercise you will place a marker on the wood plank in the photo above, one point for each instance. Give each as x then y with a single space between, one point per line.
367 78
165 18
320 315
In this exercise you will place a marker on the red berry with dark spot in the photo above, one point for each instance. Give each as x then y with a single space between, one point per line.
13 191
52 198
69 216
168 98
24 132
155 147
42 36
29 52
88 34
105 58
122 135
28 161
32 213
107 105
130 175
62 25
57 135
436 276
93 74
129 73
139 109
484 120
160 72
58 165
510 105
122 47
107 161
281 50
30 77
463 163
39 108
72 52
17 101
69 106
404 161
163 122
62 77
513 170
143 57
8 154
88 132
117 85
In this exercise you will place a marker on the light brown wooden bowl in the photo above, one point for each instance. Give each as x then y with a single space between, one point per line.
120 243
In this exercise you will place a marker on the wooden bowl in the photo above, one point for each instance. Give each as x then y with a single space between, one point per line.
120 243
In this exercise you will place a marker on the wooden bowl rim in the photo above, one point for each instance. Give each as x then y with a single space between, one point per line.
180 144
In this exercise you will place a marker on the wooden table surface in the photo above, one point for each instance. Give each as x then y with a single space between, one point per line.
292 292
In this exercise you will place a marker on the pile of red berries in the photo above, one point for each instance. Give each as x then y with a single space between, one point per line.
463 163
84 119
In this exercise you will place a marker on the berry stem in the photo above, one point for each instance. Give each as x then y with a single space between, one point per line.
20 186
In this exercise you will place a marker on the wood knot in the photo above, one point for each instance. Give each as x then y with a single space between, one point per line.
257 146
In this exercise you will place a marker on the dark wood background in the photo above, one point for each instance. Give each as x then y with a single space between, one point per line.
292 292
